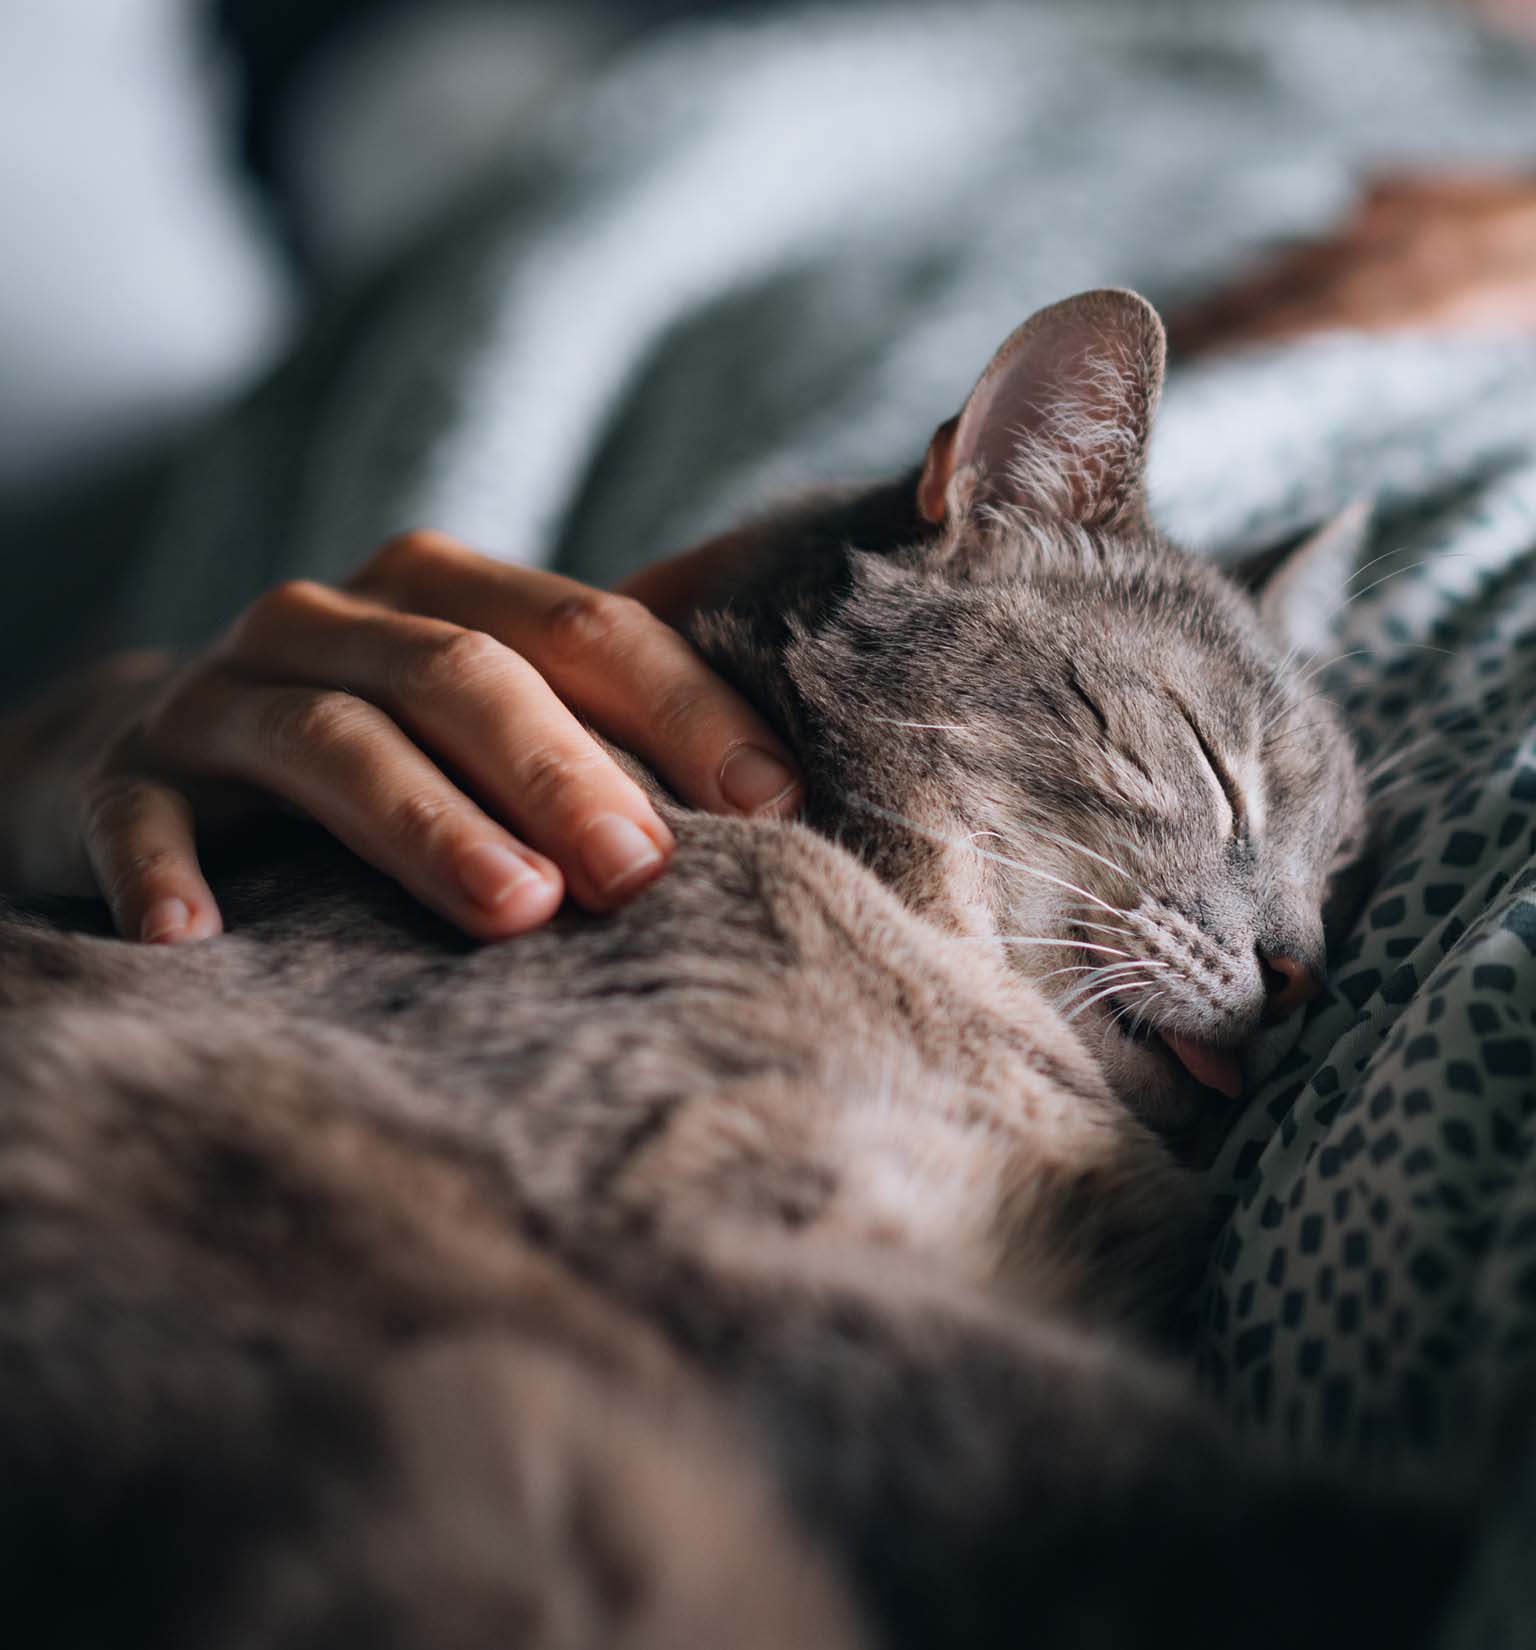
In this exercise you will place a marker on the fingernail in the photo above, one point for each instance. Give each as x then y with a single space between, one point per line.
491 874
163 921
615 851
752 781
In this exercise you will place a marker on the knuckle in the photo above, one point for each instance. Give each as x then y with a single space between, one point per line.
138 871
680 712
289 597
303 720
274 611
418 818
115 807
448 664
590 622
551 781
399 556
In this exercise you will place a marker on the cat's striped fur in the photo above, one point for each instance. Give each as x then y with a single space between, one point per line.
763 1265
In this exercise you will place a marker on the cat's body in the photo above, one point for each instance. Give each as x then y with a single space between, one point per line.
341 1260
831 1104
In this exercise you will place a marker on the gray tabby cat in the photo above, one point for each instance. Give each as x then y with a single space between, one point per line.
757 1266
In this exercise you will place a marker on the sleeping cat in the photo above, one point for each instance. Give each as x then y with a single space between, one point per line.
762 1265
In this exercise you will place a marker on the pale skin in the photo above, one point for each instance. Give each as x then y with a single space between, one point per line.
430 713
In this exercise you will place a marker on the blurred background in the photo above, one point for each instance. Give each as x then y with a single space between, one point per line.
187 183
179 177
175 173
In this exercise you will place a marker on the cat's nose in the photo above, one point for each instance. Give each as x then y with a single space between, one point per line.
1291 984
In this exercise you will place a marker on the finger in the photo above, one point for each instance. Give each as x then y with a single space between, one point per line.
641 682
616 664
1452 187
491 716
1248 309
351 769
142 846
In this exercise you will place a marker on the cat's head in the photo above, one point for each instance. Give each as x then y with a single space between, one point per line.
1052 730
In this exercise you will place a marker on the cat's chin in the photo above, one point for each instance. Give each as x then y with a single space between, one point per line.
1150 1082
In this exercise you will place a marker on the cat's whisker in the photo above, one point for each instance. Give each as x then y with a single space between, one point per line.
1119 1012
1117 910
1139 1014
1119 970
1115 933
1107 973
1431 762
1103 927
1326 662
1124 1017
1418 647
1287 659
1445 769
1131 1016
933 727
1268 729
1366 566
1108 991
1290 655
1398 753
1396 572
1030 939
1105 970
1126 842
1100 976
1305 672
874 808
1078 847
1387 555
1291 652
1282 681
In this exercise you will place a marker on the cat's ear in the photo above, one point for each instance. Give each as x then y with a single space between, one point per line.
1059 422
1301 591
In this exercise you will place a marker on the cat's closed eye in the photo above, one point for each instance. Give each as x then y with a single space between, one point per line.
1221 774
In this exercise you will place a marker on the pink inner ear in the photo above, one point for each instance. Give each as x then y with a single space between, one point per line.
938 468
1058 423
1040 390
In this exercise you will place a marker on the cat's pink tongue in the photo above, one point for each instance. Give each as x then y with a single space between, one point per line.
1217 1068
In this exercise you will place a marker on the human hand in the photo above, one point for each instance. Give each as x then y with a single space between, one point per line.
1430 253
426 714
1517 17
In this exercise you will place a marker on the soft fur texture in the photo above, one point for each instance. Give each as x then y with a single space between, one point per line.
761 1264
